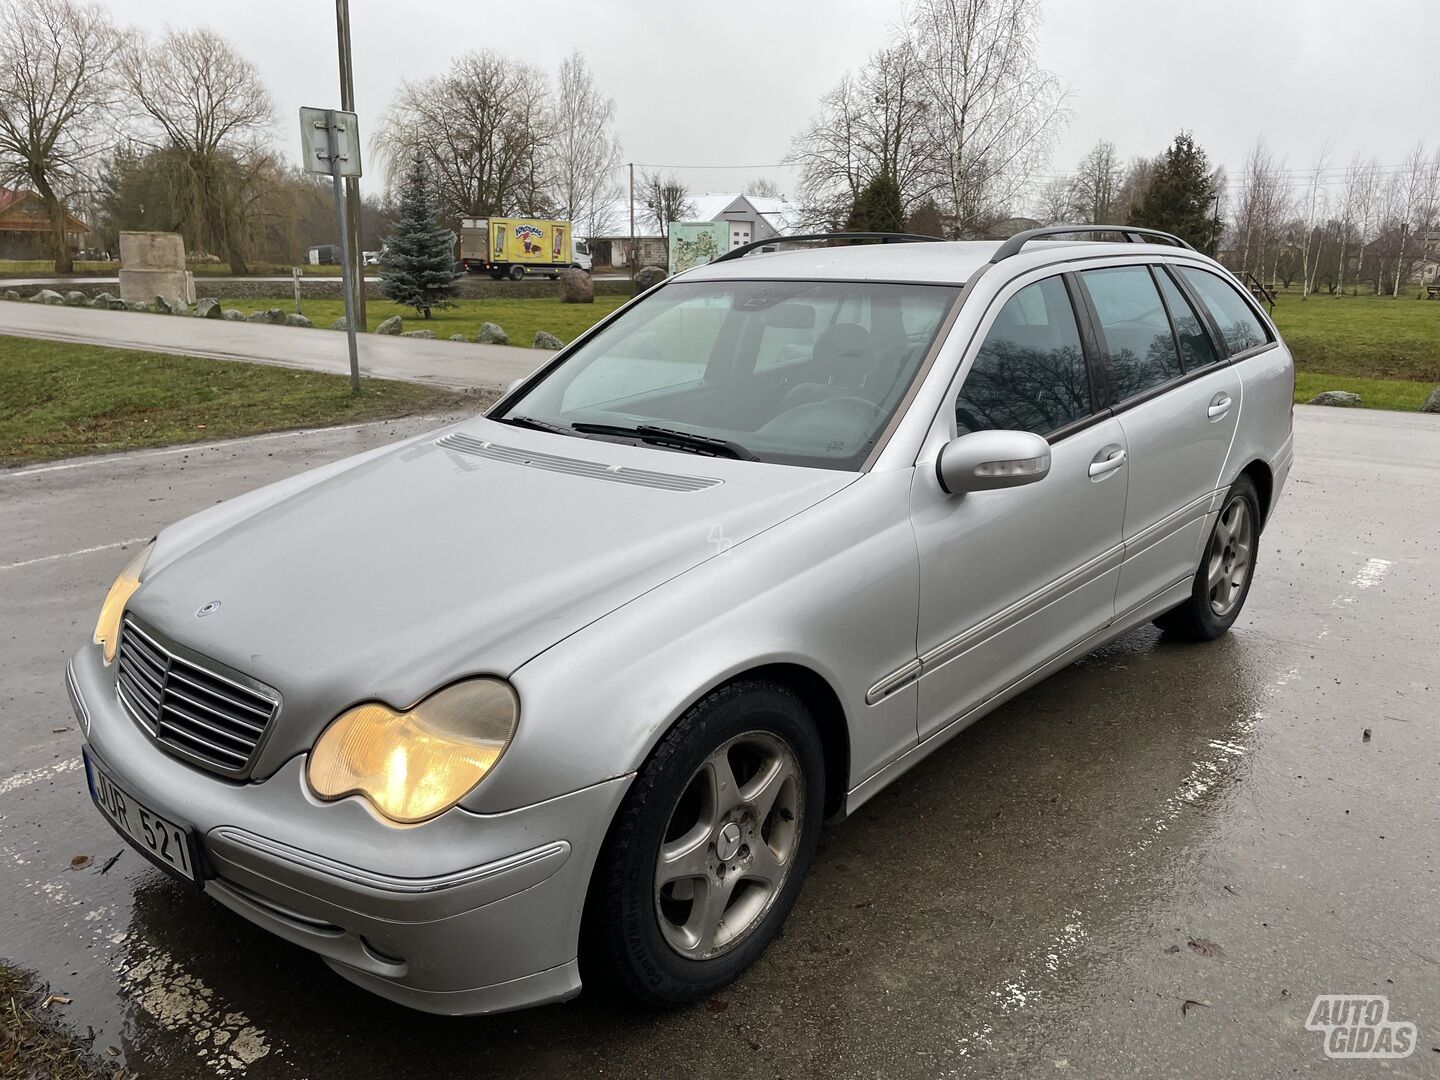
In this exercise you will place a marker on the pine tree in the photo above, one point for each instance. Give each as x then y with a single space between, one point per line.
878 208
1181 196
417 268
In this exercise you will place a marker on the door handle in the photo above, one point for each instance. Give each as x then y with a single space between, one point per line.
1219 406
1104 466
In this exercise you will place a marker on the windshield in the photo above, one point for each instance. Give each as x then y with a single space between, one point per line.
799 372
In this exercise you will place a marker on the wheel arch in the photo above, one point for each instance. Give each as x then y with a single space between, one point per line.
1264 481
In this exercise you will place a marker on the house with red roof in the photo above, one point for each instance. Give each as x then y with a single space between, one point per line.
25 226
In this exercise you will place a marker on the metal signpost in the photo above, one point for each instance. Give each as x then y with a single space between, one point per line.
331 144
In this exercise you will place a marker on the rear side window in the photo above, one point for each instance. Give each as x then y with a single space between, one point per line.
1029 374
1196 348
1136 328
1239 325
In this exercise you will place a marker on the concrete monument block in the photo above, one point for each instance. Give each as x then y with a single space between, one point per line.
153 264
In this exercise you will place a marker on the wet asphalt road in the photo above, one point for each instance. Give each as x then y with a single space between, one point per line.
1039 897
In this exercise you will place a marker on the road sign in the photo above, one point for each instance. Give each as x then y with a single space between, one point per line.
331 144
316 128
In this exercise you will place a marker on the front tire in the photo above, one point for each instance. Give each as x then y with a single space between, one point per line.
709 849
1227 568
517 272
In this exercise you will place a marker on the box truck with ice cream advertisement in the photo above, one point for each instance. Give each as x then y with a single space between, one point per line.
514 247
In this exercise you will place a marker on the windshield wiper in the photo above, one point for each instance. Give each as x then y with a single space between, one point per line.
677 440
537 425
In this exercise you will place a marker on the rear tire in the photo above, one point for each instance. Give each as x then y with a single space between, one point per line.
709 850
1222 583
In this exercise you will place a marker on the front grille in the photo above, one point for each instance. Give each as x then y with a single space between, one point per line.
214 720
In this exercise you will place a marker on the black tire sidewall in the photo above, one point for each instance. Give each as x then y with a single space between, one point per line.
624 916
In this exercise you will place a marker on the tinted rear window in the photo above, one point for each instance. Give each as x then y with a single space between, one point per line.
1239 325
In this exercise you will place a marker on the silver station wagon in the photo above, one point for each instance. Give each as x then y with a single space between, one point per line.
566 690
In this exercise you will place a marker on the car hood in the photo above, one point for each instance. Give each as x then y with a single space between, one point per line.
465 551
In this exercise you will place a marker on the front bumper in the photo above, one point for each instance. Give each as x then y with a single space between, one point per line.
467 913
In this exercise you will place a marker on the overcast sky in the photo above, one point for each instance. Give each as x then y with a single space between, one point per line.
728 84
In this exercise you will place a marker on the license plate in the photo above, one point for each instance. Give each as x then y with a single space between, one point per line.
172 847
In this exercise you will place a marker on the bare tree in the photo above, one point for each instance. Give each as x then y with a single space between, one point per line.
1314 208
585 150
1417 193
666 199
206 104
763 187
57 95
1362 178
994 113
485 129
872 124
1096 186
1056 202
1264 205
1133 185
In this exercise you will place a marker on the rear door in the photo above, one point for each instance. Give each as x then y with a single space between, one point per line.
1010 579
1178 404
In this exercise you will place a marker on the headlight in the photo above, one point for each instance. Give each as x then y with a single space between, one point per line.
107 630
413 765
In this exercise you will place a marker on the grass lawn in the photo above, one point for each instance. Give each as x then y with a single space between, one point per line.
57 399
519 317
1405 395
1370 337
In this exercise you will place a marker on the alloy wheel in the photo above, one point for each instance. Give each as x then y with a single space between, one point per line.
729 845
1231 555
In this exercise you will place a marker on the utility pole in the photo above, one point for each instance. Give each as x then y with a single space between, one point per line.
633 260
352 254
1215 230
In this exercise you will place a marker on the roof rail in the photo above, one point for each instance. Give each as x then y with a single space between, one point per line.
1132 235
884 238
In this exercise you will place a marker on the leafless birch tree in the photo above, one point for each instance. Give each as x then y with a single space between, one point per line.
585 150
993 113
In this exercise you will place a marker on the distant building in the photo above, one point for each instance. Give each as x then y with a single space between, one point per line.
750 217
25 226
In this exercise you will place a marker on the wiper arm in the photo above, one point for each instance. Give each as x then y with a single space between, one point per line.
678 440
537 425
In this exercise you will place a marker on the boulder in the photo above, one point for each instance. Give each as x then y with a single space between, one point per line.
207 308
648 276
1432 403
11 294
576 287
296 319
272 316
418 333
393 325
135 305
491 334
1340 398
231 315
547 341
167 305
116 304
75 298
102 301
458 337
340 324
47 296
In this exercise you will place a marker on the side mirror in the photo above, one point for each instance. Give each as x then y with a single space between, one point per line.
986 460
